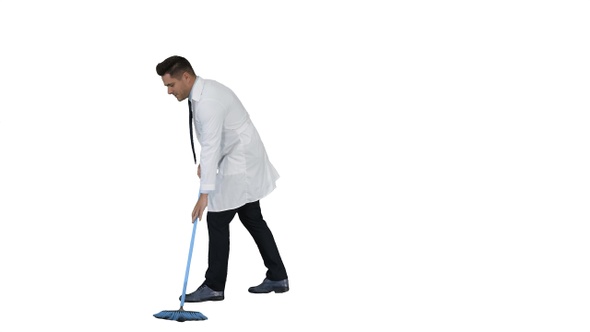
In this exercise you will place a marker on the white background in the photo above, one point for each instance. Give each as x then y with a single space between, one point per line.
434 161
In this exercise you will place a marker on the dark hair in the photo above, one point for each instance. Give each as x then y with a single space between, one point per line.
175 66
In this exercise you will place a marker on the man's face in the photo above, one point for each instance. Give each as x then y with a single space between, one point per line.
179 87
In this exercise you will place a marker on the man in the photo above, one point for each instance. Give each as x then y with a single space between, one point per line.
235 174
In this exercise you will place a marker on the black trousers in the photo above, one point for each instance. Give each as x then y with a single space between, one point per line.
218 226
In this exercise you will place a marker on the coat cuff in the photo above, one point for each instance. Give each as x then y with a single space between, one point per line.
207 188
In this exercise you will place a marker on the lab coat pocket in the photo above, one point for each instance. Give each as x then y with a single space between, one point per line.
234 162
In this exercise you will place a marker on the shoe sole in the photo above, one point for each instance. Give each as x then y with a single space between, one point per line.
276 290
217 298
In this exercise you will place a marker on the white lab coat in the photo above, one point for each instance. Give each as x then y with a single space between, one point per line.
235 168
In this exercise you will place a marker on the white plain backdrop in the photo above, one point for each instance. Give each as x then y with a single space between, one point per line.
433 159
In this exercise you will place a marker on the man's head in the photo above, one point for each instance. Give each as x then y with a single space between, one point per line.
178 75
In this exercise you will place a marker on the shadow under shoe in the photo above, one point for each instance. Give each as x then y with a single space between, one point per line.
202 294
268 286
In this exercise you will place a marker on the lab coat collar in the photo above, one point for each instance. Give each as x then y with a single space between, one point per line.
197 90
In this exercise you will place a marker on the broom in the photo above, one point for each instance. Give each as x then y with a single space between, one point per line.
182 315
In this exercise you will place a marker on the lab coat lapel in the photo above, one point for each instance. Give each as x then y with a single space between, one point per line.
195 96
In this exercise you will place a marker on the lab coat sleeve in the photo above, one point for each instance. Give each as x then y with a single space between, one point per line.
210 115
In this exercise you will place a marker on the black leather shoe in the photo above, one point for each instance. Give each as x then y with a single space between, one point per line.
268 286
203 293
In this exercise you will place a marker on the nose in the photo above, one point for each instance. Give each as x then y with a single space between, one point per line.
169 90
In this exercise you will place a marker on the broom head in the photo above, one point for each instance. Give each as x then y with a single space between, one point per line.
180 315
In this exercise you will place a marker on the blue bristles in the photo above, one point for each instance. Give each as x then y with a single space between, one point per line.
180 315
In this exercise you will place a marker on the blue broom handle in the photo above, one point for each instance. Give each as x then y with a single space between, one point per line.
190 256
